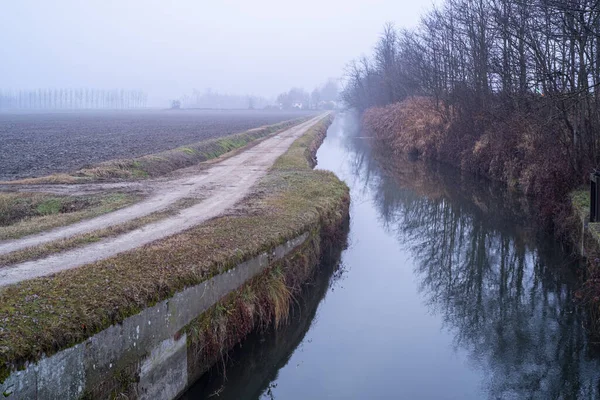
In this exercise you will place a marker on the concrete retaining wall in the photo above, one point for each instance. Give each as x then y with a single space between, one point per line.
150 341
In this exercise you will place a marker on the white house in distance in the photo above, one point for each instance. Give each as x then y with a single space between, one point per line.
294 106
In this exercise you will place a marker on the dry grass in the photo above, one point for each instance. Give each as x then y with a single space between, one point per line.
158 164
23 214
264 301
414 126
44 315
44 250
516 146
581 201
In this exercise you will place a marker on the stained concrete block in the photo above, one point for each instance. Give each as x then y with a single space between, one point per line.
121 345
282 250
163 374
62 376
191 302
20 385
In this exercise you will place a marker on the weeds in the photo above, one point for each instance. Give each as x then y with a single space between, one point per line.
268 298
516 147
263 302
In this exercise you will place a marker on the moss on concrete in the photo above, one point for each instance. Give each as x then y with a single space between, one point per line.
581 201
45 315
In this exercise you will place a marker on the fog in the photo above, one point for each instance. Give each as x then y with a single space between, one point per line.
259 47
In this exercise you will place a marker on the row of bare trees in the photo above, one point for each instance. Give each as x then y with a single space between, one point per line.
214 100
60 99
491 58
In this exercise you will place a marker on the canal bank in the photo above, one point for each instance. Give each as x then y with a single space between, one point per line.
523 160
448 291
149 341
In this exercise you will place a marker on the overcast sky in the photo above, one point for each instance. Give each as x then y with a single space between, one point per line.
259 47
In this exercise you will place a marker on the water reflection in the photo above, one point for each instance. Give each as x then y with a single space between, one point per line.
500 290
503 288
253 367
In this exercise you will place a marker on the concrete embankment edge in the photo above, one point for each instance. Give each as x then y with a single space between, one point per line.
151 340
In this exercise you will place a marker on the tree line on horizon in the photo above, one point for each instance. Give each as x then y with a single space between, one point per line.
72 99
322 97
210 99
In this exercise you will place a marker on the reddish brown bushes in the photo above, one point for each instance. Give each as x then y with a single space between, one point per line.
412 126
515 146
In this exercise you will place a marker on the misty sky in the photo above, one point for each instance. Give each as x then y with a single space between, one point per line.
260 47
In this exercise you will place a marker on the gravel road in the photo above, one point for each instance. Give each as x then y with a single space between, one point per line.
222 185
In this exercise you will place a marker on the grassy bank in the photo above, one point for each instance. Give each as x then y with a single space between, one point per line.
24 214
158 164
512 146
586 235
45 315
269 349
267 299
513 150
264 302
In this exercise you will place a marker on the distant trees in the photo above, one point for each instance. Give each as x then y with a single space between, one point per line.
294 98
62 99
214 100
315 97
322 97
325 96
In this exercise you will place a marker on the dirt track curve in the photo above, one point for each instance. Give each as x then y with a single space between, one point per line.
221 186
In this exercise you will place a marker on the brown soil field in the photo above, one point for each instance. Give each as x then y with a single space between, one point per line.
37 144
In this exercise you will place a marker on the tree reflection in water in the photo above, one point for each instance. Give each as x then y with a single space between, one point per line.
252 368
503 288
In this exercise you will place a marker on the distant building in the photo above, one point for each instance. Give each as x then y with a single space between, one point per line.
298 105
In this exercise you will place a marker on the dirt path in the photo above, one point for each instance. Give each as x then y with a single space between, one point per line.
222 185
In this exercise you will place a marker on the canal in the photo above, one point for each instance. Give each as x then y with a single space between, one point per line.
446 290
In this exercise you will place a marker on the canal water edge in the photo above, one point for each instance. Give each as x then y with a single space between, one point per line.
446 291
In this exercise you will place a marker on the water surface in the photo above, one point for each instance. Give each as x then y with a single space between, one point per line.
446 291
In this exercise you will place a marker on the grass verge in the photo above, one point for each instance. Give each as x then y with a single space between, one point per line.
47 249
162 163
45 315
586 235
23 214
